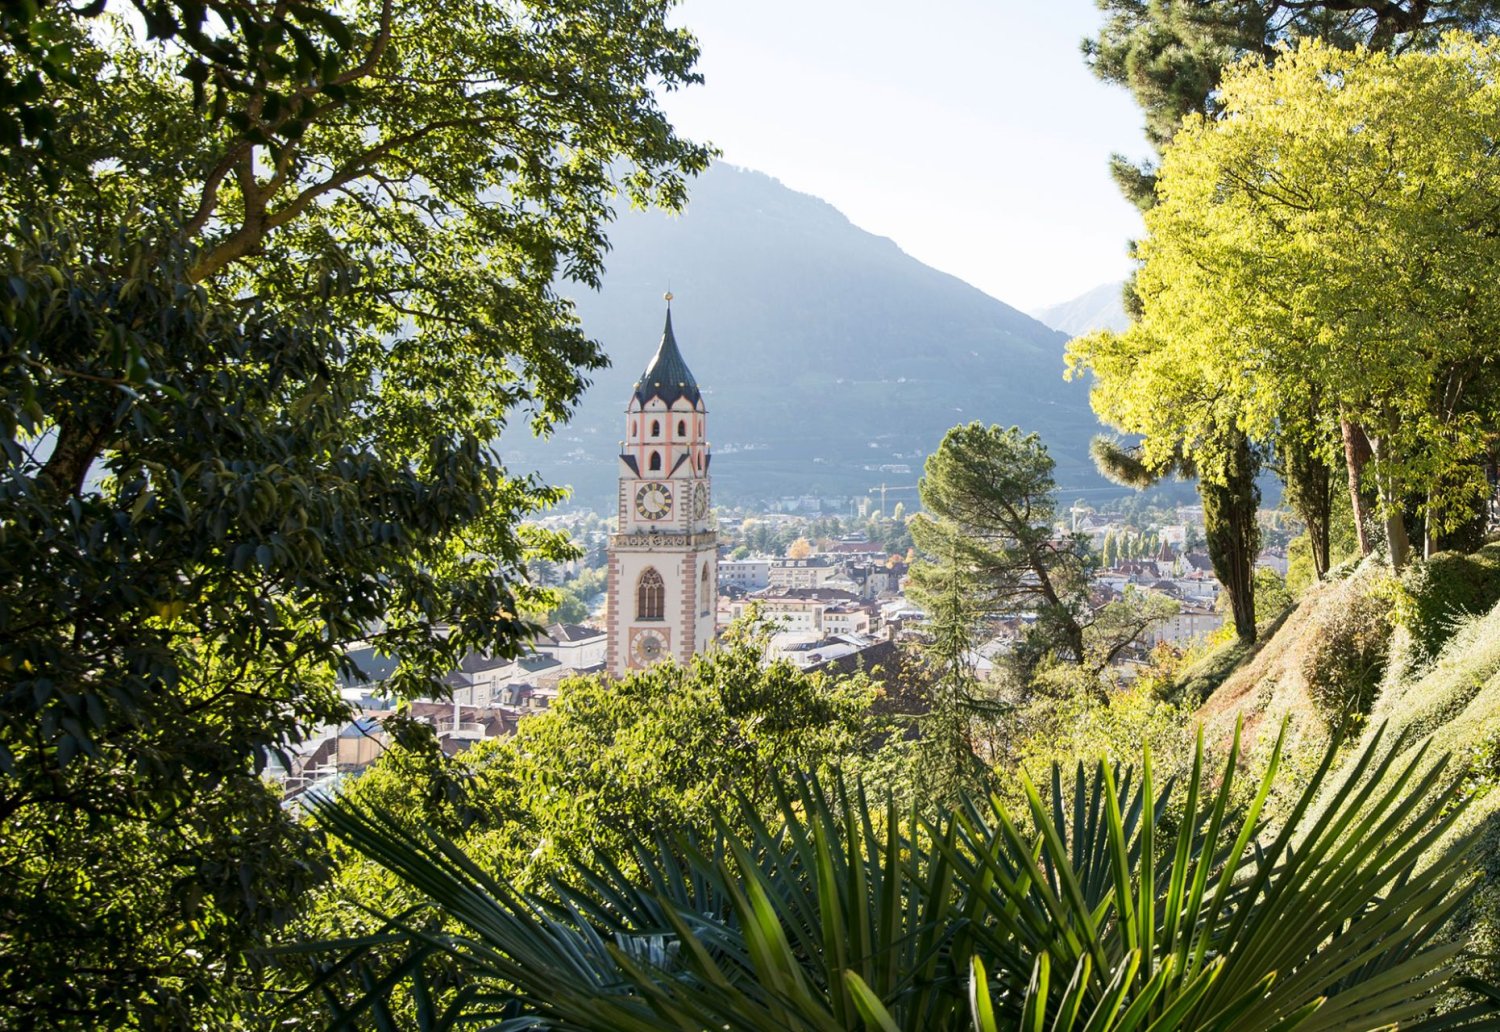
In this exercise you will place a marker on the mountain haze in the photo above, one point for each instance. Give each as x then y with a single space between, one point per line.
821 350
1099 309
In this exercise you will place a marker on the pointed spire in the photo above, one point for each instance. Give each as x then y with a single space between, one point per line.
667 376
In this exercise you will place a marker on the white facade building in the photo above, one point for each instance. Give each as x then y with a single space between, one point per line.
801 573
745 574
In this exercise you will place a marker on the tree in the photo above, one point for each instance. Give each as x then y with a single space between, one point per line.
1118 624
1172 56
799 549
1299 210
987 496
945 766
1308 483
1138 391
611 766
1231 499
41 56
253 359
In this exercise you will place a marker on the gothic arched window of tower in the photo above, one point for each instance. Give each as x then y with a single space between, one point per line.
651 596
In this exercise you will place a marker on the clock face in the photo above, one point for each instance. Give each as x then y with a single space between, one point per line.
647 647
700 501
653 501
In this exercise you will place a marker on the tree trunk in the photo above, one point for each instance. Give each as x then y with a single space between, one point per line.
1230 500
1396 537
1309 492
1356 456
77 446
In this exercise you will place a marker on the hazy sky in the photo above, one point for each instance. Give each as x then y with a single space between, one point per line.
969 132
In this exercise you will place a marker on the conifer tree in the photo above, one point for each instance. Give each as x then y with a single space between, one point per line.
988 513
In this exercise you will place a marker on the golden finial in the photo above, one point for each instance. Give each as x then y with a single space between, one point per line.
667 297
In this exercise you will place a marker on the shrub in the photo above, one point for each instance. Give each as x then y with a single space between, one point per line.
1436 594
1082 728
1346 644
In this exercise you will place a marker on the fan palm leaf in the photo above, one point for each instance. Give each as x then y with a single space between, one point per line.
1085 910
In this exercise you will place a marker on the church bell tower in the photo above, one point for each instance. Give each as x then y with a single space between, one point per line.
663 576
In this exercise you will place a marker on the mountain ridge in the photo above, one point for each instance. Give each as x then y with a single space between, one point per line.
830 360
1102 308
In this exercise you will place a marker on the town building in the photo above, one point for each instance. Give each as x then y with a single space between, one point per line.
744 574
809 610
813 572
663 588
574 646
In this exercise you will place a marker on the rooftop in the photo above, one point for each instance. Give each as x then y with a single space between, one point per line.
667 376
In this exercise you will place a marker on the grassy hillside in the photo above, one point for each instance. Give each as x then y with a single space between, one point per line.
1419 658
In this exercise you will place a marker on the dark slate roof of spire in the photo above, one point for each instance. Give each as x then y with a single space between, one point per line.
667 377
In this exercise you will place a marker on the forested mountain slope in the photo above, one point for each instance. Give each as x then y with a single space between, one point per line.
824 352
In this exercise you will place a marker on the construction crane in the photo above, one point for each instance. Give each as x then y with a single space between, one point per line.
883 488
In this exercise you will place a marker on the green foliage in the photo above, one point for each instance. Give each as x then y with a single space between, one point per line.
259 329
1172 57
1343 545
154 907
1201 677
1256 286
1121 622
1455 699
571 602
841 914
162 631
1479 767
1345 645
1073 726
294 40
1436 595
1310 491
944 764
1272 596
615 763
987 496
1121 465
1176 60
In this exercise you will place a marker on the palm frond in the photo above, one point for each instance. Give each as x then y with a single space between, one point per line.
1085 910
